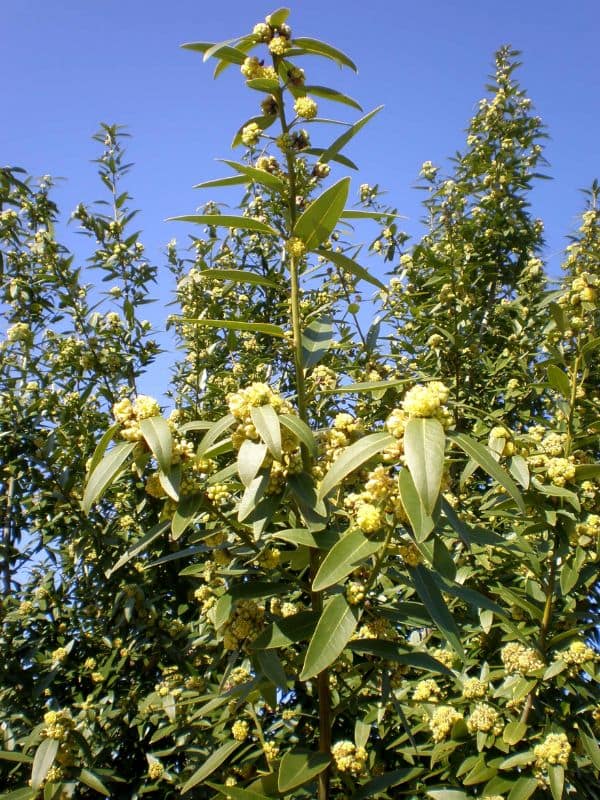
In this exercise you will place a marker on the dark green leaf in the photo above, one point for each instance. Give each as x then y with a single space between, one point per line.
258 176
225 221
230 180
332 94
317 337
139 546
238 276
320 218
343 558
421 523
559 381
301 430
236 325
427 589
210 765
93 781
322 49
343 140
523 789
298 767
352 458
236 793
336 625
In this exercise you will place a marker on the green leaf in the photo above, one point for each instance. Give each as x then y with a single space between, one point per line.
320 218
20 794
262 122
225 221
514 732
352 458
252 496
391 652
556 776
286 630
340 159
237 325
551 490
519 470
322 49
204 47
316 341
230 180
269 85
336 625
210 765
427 589
379 784
277 18
42 761
343 140
559 381
590 745
447 794
351 213
424 444
523 789
215 430
332 94
343 558
421 523
12 755
267 424
323 540
368 386
93 781
238 276
139 546
301 430
223 51
157 434
105 473
349 265
249 460
235 793
270 666
106 439
482 456
518 760
298 767
258 176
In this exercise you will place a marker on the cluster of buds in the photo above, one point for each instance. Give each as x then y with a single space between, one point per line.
245 623
349 758
129 415
516 657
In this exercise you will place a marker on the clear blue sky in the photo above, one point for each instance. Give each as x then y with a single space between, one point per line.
69 64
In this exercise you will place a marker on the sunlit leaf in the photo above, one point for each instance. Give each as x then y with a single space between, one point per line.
336 625
320 218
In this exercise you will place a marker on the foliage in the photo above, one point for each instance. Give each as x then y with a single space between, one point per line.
353 561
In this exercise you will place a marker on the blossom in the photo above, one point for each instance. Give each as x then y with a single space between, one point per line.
483 718
251 134
555 749
306 107
348 757
295 247
240 730
442 721
369 518
518 658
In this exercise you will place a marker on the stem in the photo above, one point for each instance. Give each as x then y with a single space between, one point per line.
324 696
7 537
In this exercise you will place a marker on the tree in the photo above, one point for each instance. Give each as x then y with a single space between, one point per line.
339 568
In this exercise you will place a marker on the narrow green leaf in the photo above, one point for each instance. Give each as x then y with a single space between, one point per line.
375 786
368 386
424 445
236 793
427 589
267 424
298 767
210 765
105 473
340 159
237 325
559 381
249 460
391 652
20 794
523 789
215 430
269 664
287 630
317 338
349 265
518 760
590 745
320 218
514 732
12 755
556 776
343 140
252 496
93 781
258 176
238 276
277 18
223 51
301 430
421 523
316 47
351 213
334 630
42 761
106 439
352 458
322 540
447 794
226 221
519 469
269 85
230 180
157 434
139 546
343 558
332 94
486 461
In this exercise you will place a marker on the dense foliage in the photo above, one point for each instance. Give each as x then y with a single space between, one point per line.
358 557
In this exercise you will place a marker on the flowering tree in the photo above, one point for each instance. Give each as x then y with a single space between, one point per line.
354 560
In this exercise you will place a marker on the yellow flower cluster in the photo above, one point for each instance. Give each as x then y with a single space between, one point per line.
355 592
377 628
237 677
473 688
577 654
427 401
588 531
271 751
446 657
245 623
306 107
560 470
155 770
295 247
483 718
410 554
346 430
369 518
518 658
279 45
240 730
251 134
129 415
54 775
60 654
555 749
253 69
427 691
58 724
349 758
441 722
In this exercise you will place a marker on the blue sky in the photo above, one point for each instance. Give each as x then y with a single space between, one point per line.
68 65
